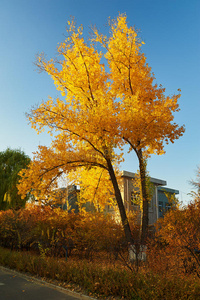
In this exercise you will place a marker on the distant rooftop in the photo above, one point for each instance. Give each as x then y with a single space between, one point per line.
168 190
156 181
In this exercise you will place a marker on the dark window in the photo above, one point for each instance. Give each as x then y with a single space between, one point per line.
160 206
167 206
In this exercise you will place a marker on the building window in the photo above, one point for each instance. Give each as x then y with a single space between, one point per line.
135 199
160 206
167 206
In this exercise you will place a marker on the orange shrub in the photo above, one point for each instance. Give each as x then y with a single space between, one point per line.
47 230
177 244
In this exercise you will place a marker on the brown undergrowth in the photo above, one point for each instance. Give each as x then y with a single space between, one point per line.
101 279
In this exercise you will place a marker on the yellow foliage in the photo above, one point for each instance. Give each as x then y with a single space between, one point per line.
137 189
7 197
95 187
145 114
104 107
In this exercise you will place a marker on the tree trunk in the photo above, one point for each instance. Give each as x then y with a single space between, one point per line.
120 204
145 213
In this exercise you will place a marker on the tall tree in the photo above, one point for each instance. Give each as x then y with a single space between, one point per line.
11 162
145 114
81 124
101 110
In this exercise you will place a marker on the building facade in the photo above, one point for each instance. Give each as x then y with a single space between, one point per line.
159 203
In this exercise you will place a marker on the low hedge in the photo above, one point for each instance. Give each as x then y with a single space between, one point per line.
100 280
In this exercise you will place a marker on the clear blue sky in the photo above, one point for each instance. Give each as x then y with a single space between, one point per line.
171 31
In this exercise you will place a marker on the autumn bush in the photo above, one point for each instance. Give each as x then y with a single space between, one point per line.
47 231
176 247
170 272
101 279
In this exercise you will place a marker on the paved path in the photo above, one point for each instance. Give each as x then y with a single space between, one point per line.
15 286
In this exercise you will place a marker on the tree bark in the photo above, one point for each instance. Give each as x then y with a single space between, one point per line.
120 204
145 213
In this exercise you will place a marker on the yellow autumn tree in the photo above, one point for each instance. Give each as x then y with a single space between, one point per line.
145 114
103 108
81 124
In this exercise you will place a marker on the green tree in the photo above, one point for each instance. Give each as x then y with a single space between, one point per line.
11 162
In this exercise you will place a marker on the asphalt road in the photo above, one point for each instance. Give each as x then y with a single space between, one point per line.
15 286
